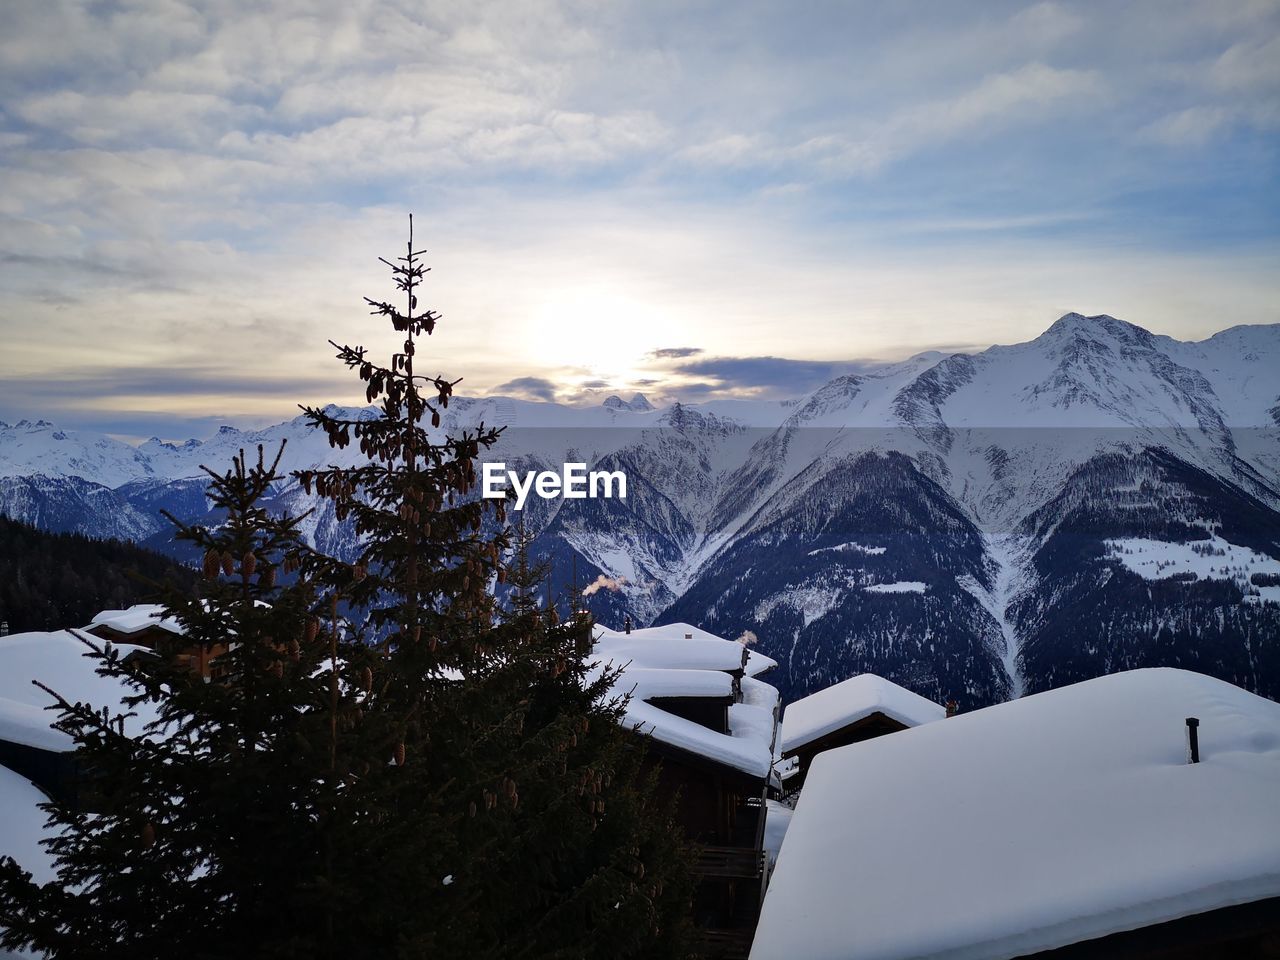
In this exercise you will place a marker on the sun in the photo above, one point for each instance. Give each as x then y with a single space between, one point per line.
596 328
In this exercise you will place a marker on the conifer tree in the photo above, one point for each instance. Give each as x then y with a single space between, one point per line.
544 839
211 834
391 764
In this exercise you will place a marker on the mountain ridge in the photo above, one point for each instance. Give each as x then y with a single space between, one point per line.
725 525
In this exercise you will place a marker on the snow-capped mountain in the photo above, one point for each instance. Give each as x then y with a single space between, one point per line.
970 526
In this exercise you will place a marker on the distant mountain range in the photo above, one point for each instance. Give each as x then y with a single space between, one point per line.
970 526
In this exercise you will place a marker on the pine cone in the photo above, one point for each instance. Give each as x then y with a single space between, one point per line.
212 562
148 836
248 563
400 757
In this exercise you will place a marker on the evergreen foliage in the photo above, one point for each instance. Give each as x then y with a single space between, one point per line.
215 834
393 765
544 841
51 580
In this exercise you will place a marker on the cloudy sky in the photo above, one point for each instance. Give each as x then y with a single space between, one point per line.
690 198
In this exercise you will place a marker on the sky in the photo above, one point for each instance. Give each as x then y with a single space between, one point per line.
688 199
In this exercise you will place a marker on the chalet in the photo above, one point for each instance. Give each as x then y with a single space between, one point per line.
860 708
1068 824
29 746
711 730
145 625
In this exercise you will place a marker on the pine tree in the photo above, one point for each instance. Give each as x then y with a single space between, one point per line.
212 834
545 841
390 764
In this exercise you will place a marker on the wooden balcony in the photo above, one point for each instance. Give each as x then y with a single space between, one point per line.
738 863
725 944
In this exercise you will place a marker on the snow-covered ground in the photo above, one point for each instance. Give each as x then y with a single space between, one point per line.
1010 554
901 586
1212 559
850 547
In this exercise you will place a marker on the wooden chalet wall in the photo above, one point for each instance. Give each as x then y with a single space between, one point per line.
54 772
722 813
1248 931
869 727
173 646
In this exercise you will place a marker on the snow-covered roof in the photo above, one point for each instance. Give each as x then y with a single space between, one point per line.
23 825
59 661
138 617
661 662
680 645
849 701
646 683
1033 824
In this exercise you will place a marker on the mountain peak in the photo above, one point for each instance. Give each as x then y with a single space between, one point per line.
639 403
1077 324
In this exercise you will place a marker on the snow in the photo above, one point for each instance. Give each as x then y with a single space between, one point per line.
849 701
680 645
777 820
741 749
673 645
850 547
682 661
23 825
1032 824
985 427
60 661
645 683
138 617
1010 555
758 663
813 601
902 586
1212 559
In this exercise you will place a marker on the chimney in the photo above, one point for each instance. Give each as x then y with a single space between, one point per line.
952 708
4 628
688 636
626 624
1193 740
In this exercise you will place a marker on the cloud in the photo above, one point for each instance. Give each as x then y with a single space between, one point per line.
180 185
1194 126
535 388
773 373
